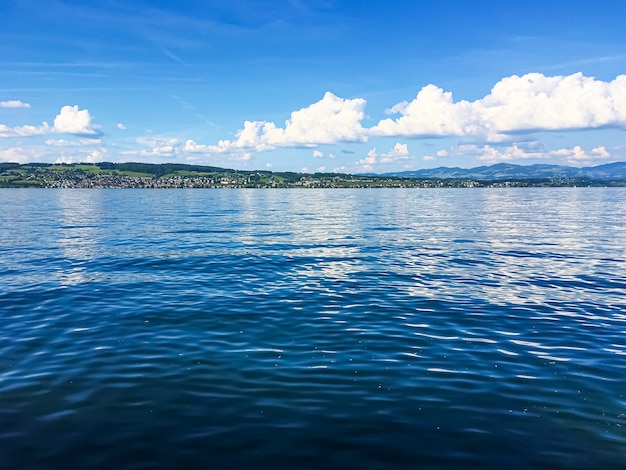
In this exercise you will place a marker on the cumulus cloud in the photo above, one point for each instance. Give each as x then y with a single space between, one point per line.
433 112
72 120
367 163
516 104
121 126
14 104
579 157
328 121
398 152
575 156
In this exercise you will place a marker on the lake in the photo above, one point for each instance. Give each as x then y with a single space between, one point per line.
367 328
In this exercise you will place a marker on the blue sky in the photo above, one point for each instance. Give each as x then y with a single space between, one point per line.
350 86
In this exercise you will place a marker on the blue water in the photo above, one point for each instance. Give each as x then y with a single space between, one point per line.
470 328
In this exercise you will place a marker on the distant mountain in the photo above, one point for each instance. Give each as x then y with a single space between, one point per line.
504 171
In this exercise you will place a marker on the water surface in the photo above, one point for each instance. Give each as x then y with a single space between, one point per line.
337 328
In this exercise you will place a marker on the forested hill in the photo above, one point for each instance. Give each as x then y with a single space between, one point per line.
503 171
178 175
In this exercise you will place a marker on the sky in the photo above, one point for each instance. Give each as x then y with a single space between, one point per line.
313 86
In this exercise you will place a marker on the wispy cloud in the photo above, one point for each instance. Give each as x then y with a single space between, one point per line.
174 57
73 143
14 104
24 131
18 155
588 61
155 147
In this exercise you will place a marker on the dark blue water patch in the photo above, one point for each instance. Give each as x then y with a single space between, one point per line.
77 227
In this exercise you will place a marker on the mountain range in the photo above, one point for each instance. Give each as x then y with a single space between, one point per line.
505 171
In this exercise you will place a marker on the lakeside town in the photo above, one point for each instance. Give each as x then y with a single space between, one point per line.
143 175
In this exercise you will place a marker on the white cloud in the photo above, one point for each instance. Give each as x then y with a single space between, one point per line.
95 156
575 156
14 104
321 169
579 157
71 120
76 151
157 147
398 152
73 143
223 148
516 104
16 155
121 126
24 131
64 159
432 113
367 163
328 121
439 153
319 154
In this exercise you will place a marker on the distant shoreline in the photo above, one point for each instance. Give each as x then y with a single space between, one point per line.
145 175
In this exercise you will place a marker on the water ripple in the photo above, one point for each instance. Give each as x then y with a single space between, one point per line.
370 329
